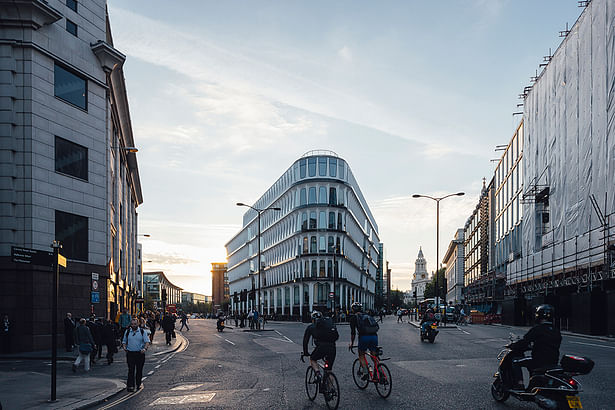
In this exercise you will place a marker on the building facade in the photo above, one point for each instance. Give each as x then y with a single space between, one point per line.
219 284
454 262
64 127
194 298
568 240
420 278
157 286
324 232
479 285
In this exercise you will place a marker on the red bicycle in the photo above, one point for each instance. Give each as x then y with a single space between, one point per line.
379 373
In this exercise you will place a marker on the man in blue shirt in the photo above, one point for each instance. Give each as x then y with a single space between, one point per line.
136 342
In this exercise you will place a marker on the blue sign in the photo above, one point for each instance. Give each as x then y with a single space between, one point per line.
95 297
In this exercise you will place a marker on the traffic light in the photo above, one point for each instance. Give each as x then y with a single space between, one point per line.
164 295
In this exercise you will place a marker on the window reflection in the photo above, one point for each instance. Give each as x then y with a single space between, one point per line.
322 166
322 195
332 196
312 167
70 87
302 168
313 220
322 220
332 167
312 195
302 197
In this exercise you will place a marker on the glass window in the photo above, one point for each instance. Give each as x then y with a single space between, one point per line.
71 27
312 167
72 232
332 167
322 272
302 197
322 220
339 221
323 244
313 244
313 220
304 223
71 158
305 245
331 220
329 269
322 195
341 169
70 87
330 244
322 166
72 4
337 246
312 195
302 168
296 295
314 269
332 196
286 296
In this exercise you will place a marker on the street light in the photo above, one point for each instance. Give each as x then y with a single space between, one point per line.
144 234
127 149
259 212
438 199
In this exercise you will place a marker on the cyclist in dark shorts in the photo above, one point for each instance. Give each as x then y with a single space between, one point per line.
323 339
368 335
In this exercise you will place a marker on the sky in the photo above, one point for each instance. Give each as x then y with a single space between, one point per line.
414 95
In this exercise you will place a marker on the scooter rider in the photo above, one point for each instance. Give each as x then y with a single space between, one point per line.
544 340
429 317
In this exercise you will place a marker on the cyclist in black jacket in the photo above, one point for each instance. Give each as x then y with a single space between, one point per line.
544 340
324 349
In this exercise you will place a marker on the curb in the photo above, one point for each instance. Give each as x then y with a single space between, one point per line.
103 399
173 349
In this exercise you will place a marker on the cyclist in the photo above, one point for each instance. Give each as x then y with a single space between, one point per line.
368 336
324 333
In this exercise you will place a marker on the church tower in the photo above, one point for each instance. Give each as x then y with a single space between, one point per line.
420 277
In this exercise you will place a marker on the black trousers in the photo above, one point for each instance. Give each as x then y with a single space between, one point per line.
68 340
135 361
168 336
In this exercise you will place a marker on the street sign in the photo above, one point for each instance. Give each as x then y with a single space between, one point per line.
331 295
95 297
94 276
31 256
61 260
94 285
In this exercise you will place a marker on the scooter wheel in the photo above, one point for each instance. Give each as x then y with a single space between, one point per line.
498 391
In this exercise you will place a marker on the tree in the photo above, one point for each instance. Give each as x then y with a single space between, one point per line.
397 299
148 302
430 288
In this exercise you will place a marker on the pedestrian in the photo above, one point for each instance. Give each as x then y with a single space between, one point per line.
184 320
399 315
91 324
108 337
135 342
151 324
97 334
242 322
168 325
381 316
5 334
236 319
69 328
85 342
124 321
255 319
251 319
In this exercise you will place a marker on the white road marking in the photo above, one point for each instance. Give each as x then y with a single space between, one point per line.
278 332
187 387
150 373
219 336
593 344
230 342
190 398
143 378
461 330
157 367
267 389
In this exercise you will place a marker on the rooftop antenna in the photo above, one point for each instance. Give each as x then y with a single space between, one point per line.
565 32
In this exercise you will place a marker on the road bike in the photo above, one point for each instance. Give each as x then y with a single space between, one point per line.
327 385
379 373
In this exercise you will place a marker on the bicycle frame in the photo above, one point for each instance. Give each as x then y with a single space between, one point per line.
374 375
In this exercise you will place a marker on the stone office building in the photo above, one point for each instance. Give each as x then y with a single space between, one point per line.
65 171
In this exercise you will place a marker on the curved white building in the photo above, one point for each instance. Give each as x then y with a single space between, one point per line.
324 226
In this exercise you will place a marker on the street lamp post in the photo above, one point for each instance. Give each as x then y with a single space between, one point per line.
259 212
438 199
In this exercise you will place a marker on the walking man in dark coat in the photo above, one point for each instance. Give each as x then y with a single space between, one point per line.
69 329
108 337
168 325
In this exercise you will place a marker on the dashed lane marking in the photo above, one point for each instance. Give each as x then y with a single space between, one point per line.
187 387
150 373
593 344
461 330
229 342
187 399
157 367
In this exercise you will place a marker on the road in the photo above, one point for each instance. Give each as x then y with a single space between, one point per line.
238 369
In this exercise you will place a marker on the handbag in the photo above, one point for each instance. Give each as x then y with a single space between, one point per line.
173 334
85 348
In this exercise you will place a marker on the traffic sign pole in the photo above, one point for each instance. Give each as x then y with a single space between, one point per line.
54 316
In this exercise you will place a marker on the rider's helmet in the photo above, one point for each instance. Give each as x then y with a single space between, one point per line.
316 315
544 313
356 307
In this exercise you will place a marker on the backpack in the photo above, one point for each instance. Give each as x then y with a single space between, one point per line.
325 330
367 324
128 330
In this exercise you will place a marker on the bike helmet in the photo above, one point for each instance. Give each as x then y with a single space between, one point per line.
316 315
544 313
356 307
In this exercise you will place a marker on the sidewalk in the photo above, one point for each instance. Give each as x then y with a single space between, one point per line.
25 378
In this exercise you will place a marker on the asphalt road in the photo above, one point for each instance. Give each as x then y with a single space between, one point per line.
238 369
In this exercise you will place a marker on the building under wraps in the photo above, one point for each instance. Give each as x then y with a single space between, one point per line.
568 231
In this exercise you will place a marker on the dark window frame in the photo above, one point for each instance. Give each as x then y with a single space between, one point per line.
70 26
72 4
64 171
76 74
75 246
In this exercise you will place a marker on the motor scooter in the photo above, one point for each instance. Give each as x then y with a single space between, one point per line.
429 331
552 387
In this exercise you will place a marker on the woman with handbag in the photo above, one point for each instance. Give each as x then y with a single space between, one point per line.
85 343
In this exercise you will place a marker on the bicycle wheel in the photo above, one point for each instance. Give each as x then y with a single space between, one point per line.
385 382
331 391
361 384
311 386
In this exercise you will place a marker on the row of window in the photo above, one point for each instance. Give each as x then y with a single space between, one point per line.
332 222
308 196
320 166
330 245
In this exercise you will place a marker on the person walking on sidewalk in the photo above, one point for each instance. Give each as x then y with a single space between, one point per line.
5 334
399 314
168 325
184 321
108 338
85 342
124 321
151 324
69 328
135 342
